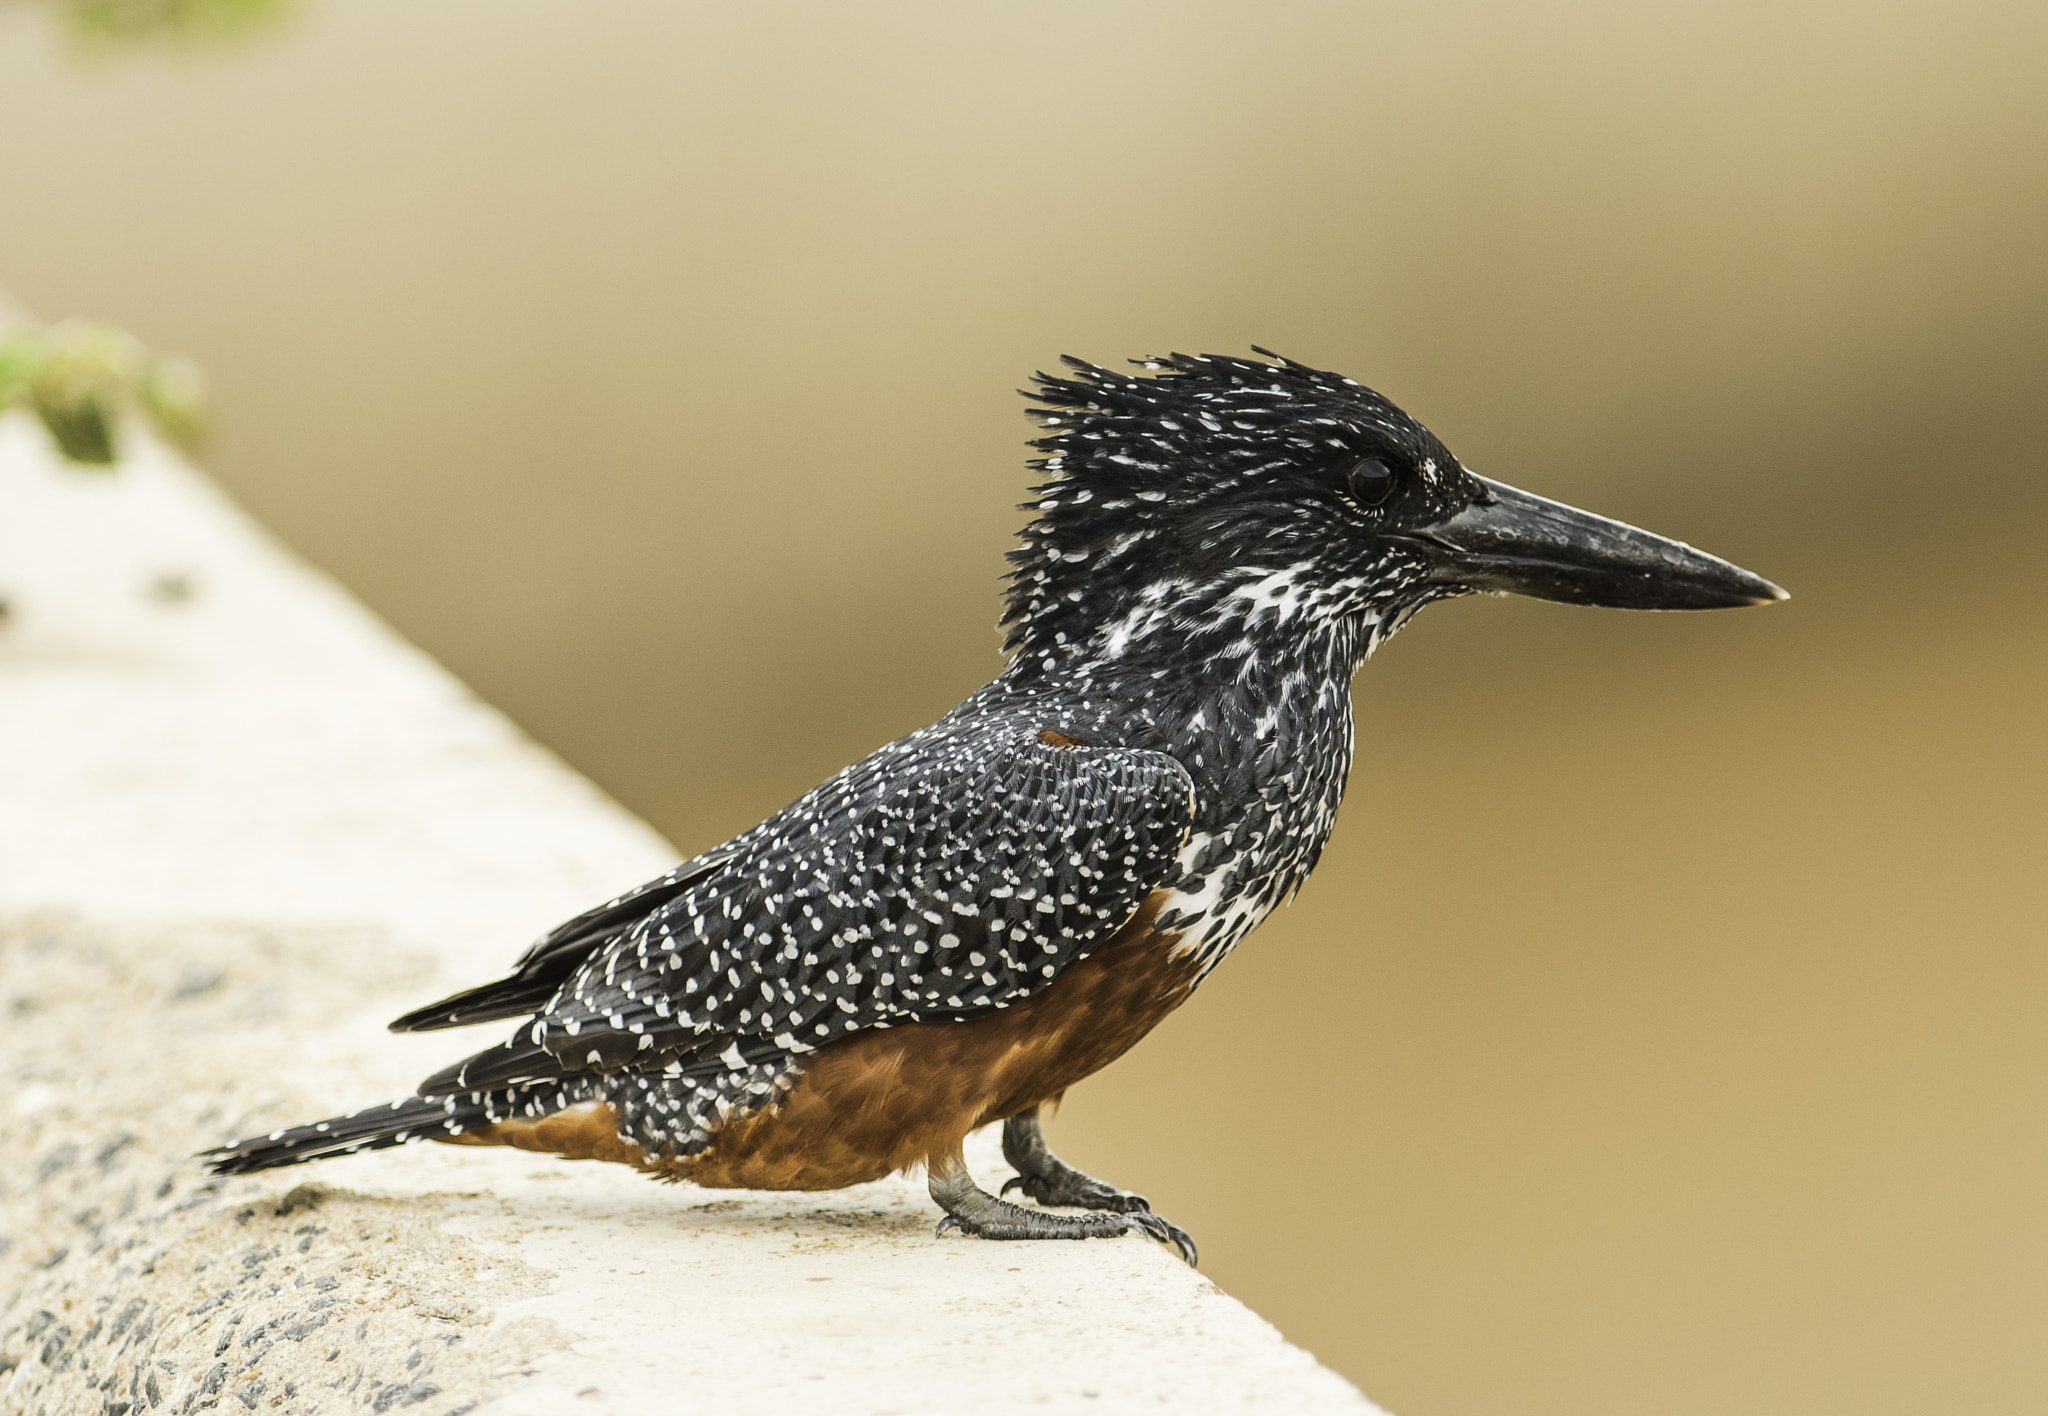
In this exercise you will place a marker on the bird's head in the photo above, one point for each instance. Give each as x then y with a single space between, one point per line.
1209 498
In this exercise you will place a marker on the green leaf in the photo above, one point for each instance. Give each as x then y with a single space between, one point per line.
172 391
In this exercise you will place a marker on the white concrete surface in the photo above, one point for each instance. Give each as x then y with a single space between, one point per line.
241 829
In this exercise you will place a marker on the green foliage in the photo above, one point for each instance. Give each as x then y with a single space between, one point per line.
128 22
81 379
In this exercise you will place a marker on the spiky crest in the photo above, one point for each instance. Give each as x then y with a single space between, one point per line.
1180 470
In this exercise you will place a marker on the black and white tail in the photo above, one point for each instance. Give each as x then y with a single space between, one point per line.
373 1128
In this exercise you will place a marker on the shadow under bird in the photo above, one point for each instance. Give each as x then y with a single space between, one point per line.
956 929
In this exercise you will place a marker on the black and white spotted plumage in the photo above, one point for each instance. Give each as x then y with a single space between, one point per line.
1204 573
951 874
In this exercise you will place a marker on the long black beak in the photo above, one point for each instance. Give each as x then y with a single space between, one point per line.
1509 540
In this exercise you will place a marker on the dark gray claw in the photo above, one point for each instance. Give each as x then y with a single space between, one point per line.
983 1217
1166 1232
1051 1181
973 1211
1076 1190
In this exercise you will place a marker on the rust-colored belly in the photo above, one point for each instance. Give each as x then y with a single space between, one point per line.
885 1100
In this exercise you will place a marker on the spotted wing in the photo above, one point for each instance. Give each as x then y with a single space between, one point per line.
950 875
544 967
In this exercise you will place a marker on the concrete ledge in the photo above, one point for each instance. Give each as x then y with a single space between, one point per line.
241 826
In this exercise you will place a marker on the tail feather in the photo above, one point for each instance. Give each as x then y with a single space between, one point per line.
520 1060
373 1128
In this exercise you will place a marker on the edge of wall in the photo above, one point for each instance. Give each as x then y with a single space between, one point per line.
242 824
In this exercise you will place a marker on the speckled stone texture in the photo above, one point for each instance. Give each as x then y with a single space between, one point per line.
129 1282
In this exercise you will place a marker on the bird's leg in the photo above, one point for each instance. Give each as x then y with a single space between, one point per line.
1050 1180
973 1210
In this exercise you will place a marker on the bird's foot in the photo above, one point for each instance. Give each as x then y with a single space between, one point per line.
982 1216
1076 1189
1051 1181
1003 1220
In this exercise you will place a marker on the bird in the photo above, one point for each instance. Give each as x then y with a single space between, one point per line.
955 930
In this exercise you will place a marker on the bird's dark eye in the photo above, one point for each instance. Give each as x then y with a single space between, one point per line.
1366 482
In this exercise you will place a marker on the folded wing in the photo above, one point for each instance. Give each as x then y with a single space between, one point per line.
956 872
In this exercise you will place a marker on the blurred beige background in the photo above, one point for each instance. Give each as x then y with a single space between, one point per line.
1667 1028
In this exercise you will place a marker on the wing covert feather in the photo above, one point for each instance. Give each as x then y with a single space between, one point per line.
948 875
